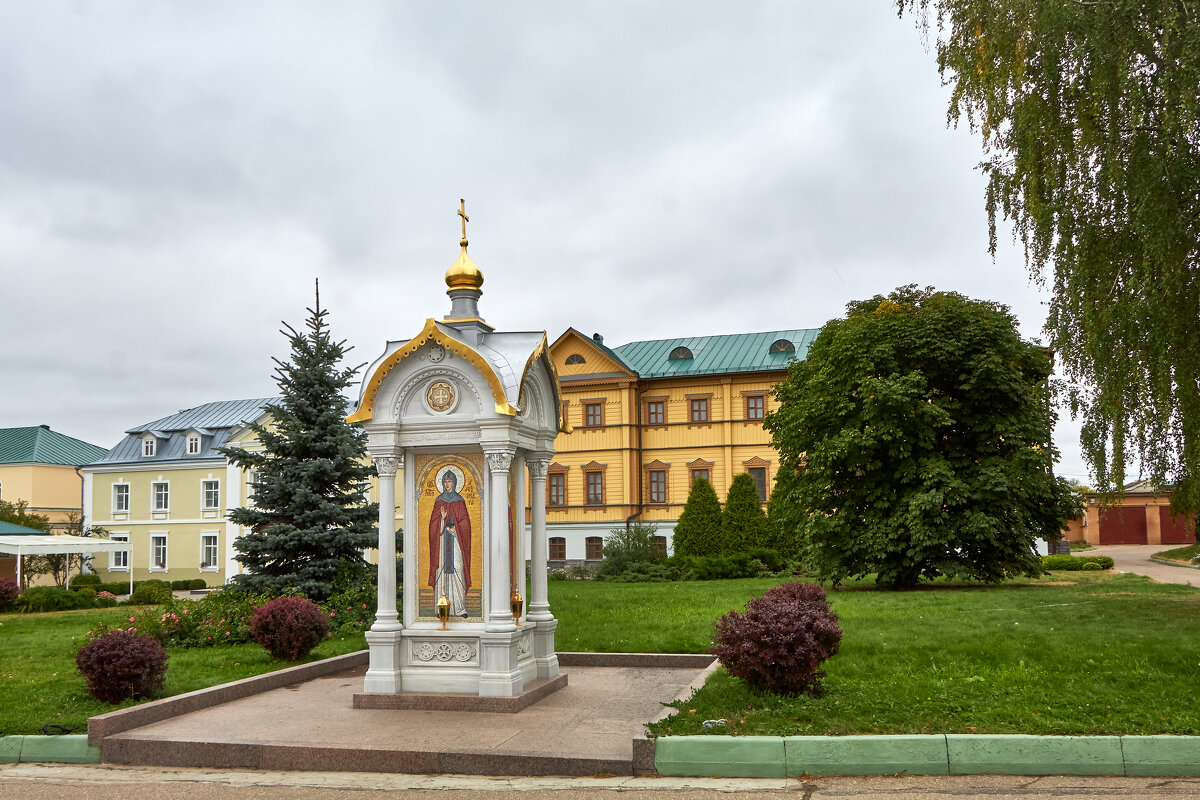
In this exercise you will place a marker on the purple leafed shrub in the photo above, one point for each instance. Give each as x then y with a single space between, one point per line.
781 641
9 592
120 665
289 627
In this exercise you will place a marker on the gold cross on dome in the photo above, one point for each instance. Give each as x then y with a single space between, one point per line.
462 212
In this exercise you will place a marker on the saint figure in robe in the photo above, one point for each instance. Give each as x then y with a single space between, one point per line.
450 546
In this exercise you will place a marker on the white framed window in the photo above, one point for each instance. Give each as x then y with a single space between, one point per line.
120 498
193 444
149 446
158 552
208 552
118 561
212 494
161 493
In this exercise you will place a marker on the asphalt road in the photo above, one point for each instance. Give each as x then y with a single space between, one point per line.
1135 558
103 782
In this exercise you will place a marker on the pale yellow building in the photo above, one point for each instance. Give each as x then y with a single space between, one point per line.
649 417
165 489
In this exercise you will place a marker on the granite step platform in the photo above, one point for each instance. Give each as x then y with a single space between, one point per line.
593 725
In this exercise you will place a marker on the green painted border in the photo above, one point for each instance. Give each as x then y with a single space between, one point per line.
69 749
938 754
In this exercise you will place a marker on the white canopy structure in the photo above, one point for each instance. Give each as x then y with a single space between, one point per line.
22 545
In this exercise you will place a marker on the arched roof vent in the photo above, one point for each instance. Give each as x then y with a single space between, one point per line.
782 346
575 358
679 353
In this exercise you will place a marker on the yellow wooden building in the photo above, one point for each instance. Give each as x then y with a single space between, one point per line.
648 418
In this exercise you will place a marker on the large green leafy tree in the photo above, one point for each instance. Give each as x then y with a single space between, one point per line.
1090 118
743 523
310 513
698 531
917 433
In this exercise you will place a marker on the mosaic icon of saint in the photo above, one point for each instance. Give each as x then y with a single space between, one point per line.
450 546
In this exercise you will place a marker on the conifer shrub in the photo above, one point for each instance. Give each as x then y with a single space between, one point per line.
781 640
289 627
9 592
120 665
698 531
743 523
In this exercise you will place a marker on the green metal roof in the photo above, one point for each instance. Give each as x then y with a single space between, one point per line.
41 445
10 529
711 355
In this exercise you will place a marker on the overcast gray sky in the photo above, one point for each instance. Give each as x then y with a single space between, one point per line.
174 175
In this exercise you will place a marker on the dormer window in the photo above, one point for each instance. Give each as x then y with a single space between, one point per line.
193 443
149 446
575 358
679 354
782 346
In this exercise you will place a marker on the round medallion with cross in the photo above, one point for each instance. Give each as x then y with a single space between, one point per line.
440 396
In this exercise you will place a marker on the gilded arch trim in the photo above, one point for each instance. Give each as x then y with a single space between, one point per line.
431 333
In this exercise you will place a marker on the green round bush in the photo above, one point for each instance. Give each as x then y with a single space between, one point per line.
85 579
119 665
52 598
150 594
1091 566
289 627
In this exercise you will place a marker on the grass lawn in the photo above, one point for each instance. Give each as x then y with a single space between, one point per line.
1074 653
39 684
1186 555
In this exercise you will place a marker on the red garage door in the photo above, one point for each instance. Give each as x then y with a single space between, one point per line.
1123 525
1174 528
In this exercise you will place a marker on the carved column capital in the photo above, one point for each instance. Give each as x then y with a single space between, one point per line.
386 466
538 467
500 460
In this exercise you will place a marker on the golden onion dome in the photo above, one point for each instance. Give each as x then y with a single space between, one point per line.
463 274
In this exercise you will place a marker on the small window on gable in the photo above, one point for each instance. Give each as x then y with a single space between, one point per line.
782 346
575 358
679 354
193 444
149 446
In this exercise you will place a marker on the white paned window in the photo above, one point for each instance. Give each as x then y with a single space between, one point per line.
119 560
193 444
162 496
158 552
120 498
208 551
148 447
212 494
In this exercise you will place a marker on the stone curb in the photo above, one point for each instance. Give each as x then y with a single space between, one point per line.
1170 563
68 749
104 725
941 754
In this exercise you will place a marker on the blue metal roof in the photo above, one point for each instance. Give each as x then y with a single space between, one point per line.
216 422
712 355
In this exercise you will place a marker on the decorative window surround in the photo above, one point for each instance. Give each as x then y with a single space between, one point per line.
209 552
158 552
210 491
118 561
120 503
160 497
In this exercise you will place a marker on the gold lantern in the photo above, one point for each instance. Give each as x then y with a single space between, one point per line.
443 607
517 604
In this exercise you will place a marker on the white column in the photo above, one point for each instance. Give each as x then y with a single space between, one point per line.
383 639
539 601
500 575
386 618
